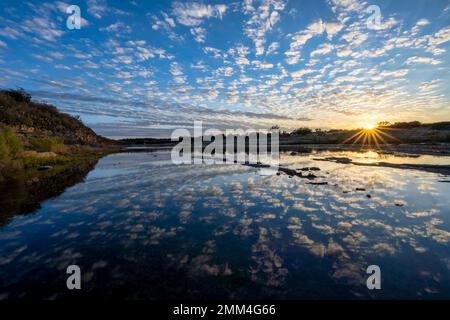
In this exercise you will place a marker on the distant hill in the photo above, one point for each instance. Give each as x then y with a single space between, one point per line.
144 141
28 118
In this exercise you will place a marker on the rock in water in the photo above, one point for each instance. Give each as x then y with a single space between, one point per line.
44 168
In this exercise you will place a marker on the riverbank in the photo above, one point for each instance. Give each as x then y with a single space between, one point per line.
42 152
36 177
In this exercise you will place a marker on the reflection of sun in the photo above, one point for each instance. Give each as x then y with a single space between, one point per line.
370 135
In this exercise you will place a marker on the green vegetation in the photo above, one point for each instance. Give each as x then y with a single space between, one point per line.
10 150
47 144
415 124
36 134
19 111
19 95
405 125
10 144
301 132
144 141
440 125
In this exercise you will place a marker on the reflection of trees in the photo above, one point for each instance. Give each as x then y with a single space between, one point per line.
23 196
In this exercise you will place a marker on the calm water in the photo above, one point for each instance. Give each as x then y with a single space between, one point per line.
141 227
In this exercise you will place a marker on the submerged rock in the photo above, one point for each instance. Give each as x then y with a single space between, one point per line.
335 159
44 168
309 169
318 183
289 172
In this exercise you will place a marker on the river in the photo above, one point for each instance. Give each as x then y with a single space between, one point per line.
141 227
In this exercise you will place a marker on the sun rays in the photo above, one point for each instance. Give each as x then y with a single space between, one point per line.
371 135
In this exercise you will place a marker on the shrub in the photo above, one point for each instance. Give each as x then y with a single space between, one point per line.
447 139
301 132
17 109
19 95
441 126
406 125
4 152
47 144
10 144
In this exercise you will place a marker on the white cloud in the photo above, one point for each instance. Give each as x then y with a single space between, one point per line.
262 20
225 71
355 38
322 50
394 74
11 33
54 54
440 37
315 29
216 53
347 5
44 28
386 24
422 60
166 23
175 69
423 22
262 65
97 8
293 57
242 61
177 72
343 51
118 27
192 14
273 48
199 34
300 73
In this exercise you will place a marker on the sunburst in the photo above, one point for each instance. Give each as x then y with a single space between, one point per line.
371 135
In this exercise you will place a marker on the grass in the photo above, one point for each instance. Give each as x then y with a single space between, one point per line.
16 164
10 148
47 144
10 144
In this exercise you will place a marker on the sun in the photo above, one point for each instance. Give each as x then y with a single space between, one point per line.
370 126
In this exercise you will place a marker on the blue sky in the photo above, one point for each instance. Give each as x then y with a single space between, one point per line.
144 68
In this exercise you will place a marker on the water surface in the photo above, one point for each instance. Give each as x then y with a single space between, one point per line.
141 227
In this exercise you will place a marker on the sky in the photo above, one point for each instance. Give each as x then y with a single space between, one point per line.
144 68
